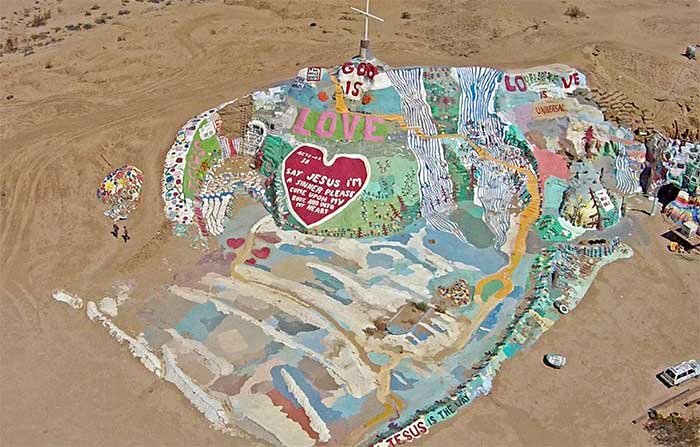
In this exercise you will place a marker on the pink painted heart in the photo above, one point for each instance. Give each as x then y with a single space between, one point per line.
261 253
316 190
235 242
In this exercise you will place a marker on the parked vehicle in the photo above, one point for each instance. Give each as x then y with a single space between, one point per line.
556 361
677 374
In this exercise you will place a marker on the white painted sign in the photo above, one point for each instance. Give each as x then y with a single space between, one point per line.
407 434
604 199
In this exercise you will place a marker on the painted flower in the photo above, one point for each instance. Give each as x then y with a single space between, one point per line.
366 99
323 96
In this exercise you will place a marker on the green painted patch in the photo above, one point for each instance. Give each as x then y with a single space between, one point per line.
443 94
274 151
390 201
460 176
554 189
490 288
475 229
200 158
514 137
549 229
610 149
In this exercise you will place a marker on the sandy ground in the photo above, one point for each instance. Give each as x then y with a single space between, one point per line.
92 100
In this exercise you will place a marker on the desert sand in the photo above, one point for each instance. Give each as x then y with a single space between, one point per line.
95 99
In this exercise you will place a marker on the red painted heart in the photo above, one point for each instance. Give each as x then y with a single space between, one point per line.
250 261
235 242
261 253
316 190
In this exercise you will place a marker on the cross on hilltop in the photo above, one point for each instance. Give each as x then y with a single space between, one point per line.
364 43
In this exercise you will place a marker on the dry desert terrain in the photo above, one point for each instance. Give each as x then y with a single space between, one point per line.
78 101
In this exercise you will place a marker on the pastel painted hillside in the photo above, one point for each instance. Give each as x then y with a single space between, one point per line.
379 241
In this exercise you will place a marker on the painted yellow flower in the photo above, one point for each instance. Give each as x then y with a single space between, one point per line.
109 186
121 181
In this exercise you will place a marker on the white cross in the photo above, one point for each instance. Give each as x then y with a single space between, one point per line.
367 17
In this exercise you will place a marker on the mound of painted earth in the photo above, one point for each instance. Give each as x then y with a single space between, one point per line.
379 241
121 190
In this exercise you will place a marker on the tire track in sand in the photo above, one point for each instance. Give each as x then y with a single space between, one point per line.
183 33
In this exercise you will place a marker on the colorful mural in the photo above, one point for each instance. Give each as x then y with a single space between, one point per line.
379 240
674 165
121 190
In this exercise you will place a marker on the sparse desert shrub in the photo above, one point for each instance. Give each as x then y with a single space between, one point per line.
123 12
95 6
10 44
674 431
574 12
405 15
40 19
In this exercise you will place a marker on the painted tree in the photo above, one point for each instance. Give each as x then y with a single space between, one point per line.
395 213
579 208
402 204
589 142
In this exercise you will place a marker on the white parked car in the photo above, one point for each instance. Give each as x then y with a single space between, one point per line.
556 361
681 372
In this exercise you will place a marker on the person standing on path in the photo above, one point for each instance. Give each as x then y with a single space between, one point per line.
115 230
125 236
